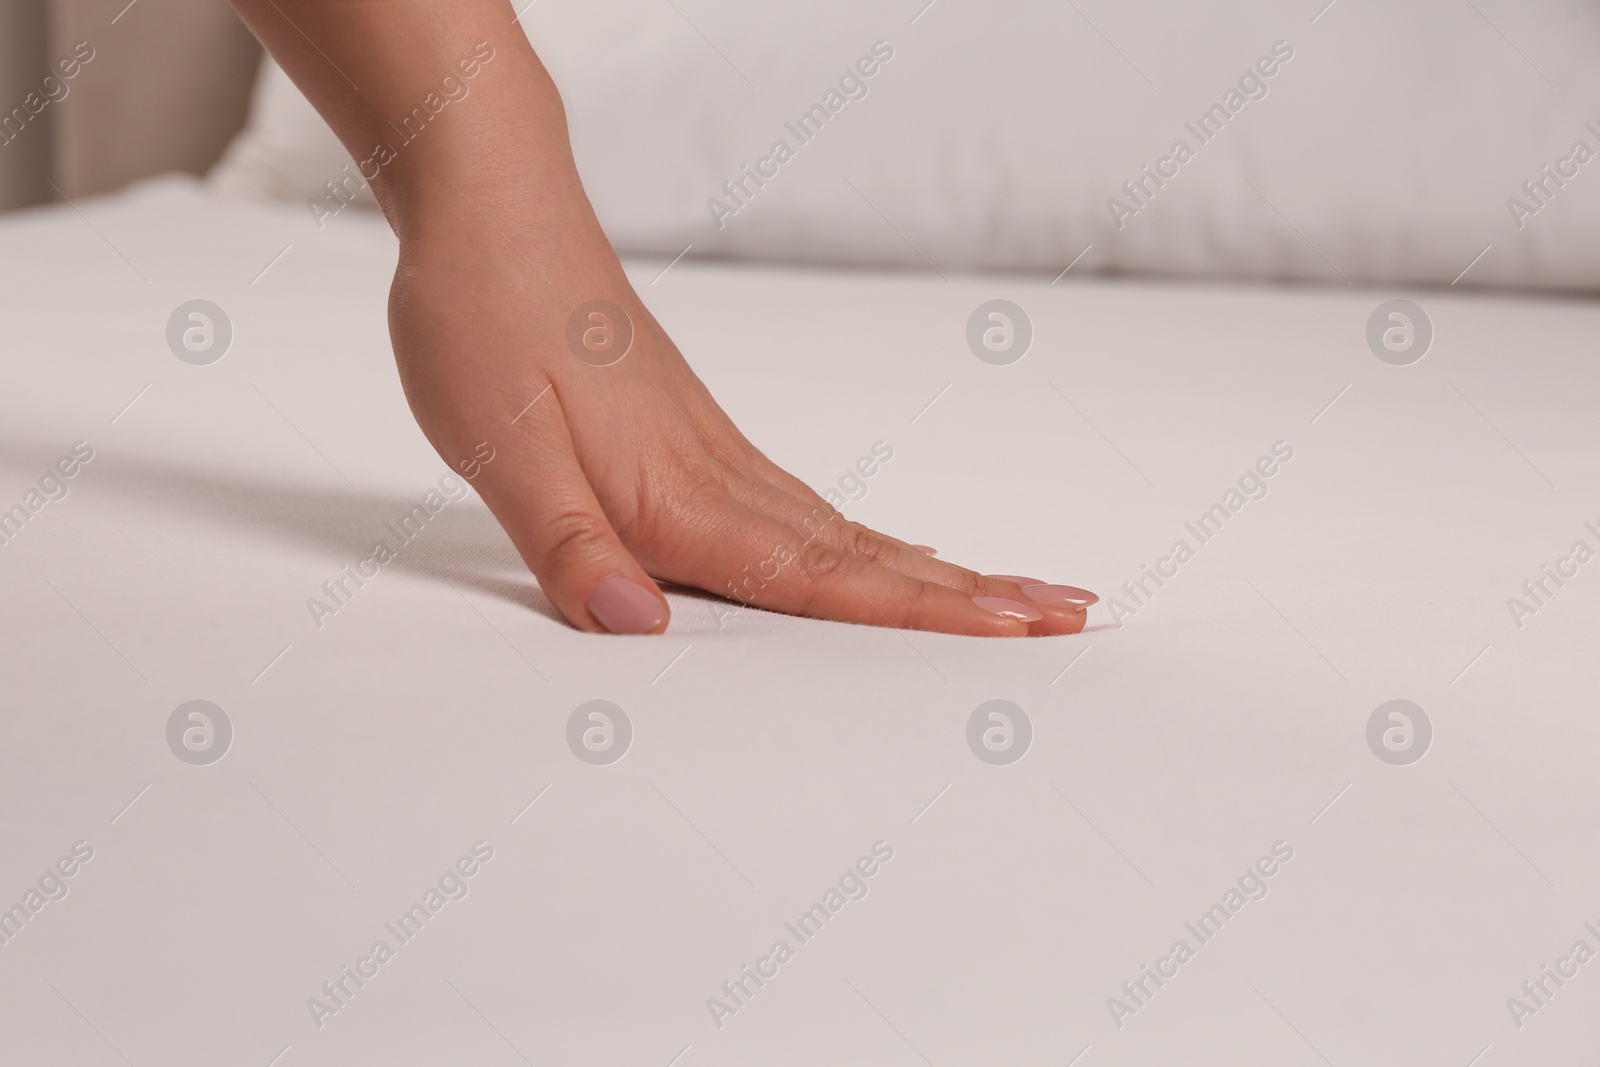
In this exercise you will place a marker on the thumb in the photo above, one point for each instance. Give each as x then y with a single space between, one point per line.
542 497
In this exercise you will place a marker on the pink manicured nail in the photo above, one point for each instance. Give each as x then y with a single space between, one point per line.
929 549
1011 609
624 606
1059 596
1017 578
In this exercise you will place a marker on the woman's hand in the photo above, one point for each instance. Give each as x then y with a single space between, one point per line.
606 476
507 311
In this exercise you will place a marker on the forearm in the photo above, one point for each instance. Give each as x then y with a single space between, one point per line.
447 112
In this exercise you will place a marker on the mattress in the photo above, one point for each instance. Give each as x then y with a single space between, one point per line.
1315 785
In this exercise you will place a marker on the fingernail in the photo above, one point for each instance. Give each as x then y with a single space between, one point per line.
1059 596
624 606
1017 578
1011 609
929 549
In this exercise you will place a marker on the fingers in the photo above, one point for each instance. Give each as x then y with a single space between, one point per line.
776 493
541 496
762 562
1049 609
794 502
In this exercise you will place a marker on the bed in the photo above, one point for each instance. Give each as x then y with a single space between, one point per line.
1216 761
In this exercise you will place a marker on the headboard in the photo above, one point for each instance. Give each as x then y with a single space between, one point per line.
167 88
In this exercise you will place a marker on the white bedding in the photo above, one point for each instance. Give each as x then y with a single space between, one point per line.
1170 752
1411 143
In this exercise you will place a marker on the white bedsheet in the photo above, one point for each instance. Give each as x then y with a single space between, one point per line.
1224 715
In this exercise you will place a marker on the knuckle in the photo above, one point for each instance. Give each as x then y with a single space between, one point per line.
817 561
814 525
866 544
572 534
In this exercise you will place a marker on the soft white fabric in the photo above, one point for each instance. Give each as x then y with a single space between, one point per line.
1386 149
1227 714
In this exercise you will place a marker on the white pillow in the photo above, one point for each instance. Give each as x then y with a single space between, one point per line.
1390 144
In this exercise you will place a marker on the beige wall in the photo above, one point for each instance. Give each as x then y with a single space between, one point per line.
167 89
24 161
